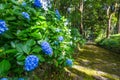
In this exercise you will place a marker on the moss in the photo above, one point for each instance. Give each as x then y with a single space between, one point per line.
92 60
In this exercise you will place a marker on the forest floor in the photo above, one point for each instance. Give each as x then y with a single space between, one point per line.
95 63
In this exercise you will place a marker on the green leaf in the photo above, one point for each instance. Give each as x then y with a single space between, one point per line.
17 54
10 18
61 57
36 35
26 49
4 66
20 63
20 57
36 49
41 58
42 18
2 7
12 44
8 35
30 42
10 51
22 34
56 63
1 50
19 48
14 2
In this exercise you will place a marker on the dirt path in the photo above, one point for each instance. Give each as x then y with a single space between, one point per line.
95 63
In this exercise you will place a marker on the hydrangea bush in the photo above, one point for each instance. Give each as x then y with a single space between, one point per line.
31 36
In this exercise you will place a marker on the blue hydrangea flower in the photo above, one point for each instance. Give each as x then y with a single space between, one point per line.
37 3
24 4
31 62
46 48
26 15
57 14
3 78
69 62
3 27
21 79
60 38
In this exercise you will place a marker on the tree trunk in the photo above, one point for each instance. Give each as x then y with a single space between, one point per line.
81 24
109 22
109 26
118 22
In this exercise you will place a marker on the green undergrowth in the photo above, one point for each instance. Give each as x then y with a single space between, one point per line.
111 43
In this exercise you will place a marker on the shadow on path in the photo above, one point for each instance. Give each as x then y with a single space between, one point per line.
97 62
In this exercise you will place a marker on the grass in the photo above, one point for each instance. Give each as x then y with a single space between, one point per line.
95 61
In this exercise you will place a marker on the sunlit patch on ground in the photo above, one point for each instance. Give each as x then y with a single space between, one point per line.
94 73
96 63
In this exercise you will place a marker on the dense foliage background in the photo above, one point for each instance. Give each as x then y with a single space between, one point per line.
95 20
47 33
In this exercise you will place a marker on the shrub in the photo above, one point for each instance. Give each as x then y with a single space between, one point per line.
34 37
111 43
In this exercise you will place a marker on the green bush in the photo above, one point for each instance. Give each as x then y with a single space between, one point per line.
25 36
77 38
111 43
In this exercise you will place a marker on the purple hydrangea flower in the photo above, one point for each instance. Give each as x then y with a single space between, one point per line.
3 78
37 3
31 62
26 15
57 14
60 38
69 62
46 48
3 27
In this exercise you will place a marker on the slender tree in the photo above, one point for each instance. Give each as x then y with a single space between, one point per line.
110 12
81 10
119 19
